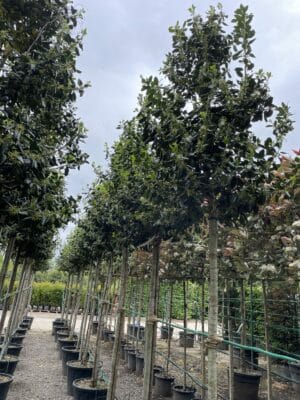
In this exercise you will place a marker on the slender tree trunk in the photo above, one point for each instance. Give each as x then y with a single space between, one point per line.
102 310
77 303
65 297
185 328
266 321
120 326
85 309
169 327
229 328
151 323
5 264
203 367
213 310
9 291
74 298
243 322
69 297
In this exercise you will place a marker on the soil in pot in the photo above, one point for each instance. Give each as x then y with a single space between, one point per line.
139 364
246 385
164 332
5 381
8 364
163 385
69 353
295 375
131 360
187 339
13 350
83 390
184 392
76 370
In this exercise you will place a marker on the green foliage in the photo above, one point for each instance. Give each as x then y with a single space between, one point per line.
47 293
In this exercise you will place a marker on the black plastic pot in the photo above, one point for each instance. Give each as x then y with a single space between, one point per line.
21 331
29 320
84 393
163 385
65 343
8 366
77 371
122 355
4 385
61 335
13 350
24 325
139 364
186 340
246 385
56 326
68 353
17 339
157 369
126 350
184 393
295 375
106 334
131 360
164 332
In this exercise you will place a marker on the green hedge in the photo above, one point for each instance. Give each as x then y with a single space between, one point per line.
47 293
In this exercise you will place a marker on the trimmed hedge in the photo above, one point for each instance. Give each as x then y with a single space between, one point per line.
47 293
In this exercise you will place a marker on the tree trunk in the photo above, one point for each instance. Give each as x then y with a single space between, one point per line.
185 328
102 311
203 393
213 310
120 326
65 297
77 304
85 309
169 327
229 328
9 291
266 321
243 322
151 323
5 264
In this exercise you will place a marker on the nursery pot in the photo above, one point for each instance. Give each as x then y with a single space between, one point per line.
21 331
164 332
24 325
139 364
157 369
83 392
17 339
246 385
64 343
8 364
106 334
56 325
131 360
75 370
13 350
68 353
163 385
122 355
127 348
295 375
61 335
184 392
186 340
5 381
28 320
59 331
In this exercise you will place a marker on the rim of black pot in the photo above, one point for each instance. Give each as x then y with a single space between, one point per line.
11 378
91 389
162 375
72 364
251 373
184 389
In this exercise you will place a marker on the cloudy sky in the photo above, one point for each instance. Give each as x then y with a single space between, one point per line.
129 38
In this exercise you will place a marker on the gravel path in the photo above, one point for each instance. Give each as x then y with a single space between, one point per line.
39 374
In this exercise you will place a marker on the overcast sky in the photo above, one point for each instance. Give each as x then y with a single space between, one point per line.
129 38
